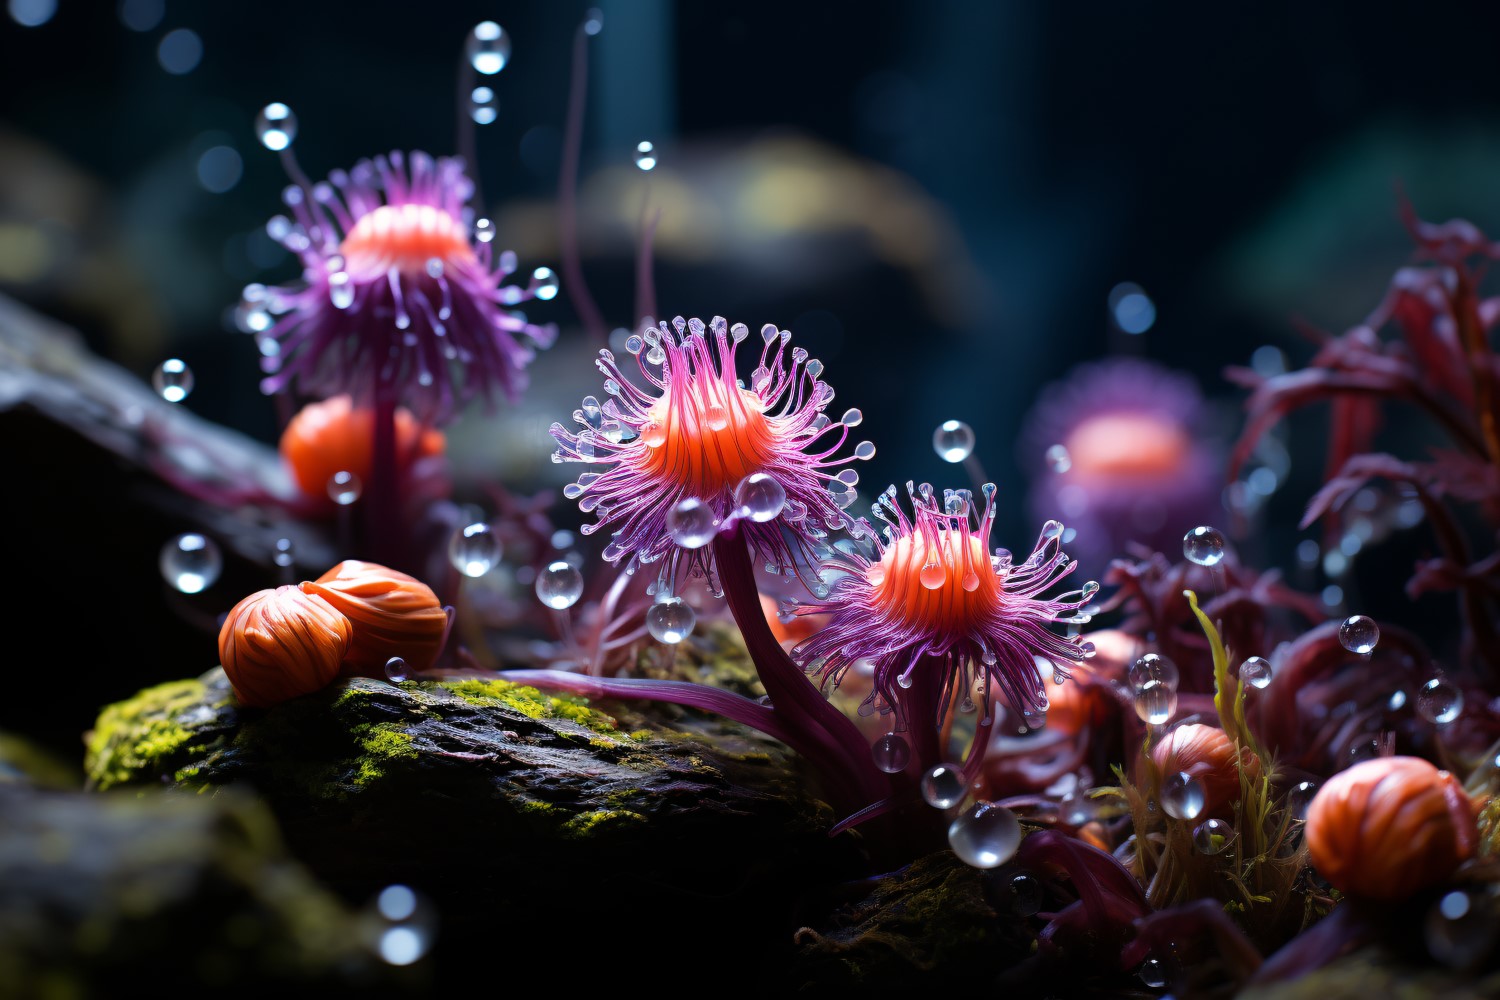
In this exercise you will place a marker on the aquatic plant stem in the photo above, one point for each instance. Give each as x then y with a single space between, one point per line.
382 502
567 194
835 745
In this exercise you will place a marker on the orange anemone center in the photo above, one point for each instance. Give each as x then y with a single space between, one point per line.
405 237
947 586
707 437
1127 444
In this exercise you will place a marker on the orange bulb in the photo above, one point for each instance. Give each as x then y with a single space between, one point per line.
1209 755
334 436
405 237
707 437
1389 827
943 585
1119 445
393 615
279 644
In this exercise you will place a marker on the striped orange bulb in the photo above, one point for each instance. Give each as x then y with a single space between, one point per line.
405 237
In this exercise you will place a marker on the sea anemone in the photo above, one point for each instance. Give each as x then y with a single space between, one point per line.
1388 827
394 616
334 436
1132 466
401 289
276 645
931 607
699 450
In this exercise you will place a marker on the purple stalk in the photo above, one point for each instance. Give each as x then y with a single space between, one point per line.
382 502
567 194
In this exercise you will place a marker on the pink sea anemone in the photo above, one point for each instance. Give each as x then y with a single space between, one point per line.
400 288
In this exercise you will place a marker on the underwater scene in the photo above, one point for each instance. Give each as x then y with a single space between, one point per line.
680 496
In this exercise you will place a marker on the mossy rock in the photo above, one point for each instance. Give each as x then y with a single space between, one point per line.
101 895
512 808
1373 972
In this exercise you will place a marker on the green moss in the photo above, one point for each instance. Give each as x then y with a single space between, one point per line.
595 821
380 743
532 703
141 733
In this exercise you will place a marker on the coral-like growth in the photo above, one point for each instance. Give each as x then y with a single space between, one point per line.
697 449
935 611
398 290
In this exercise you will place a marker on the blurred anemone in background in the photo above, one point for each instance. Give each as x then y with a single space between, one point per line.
1118 450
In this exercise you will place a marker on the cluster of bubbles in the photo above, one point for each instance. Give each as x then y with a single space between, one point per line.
1153 682
191 563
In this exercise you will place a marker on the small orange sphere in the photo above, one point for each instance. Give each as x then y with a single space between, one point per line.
1209 755
1388 827
393 615
334 436
279 644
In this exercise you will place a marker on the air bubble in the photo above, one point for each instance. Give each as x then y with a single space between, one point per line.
943 786
395 670
1440 701
645 156
172 380
1156 702
284 553
760 497
691 523
484 230
276 126
670 620
545 280
985 835
1212 836
953 440
1058 459
488 48
1153 667
483 107
1359 634
1204 546
1182 796
344 488
191 563
1256 672
891 753
474 549
1153 973
1299 797
559 585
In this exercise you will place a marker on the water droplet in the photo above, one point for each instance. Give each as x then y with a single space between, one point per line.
943 786
1440 701
474 549
344 488
1153 667
760 497
953 440
180 51
1182 796
172 380
1204 546
484 230
483 107
891 753
1299 797
33 13
645 156
488 48
1256 672
1058 459
191 562
1359 634
395 670
1154 973
985 835
691 523
1364 748
933 575
284 553
670 620
559 585
593 21
276 126
545 280
1156 702
1075 808
1025 894
340 290
396 903
1460 930
1212 836
716 416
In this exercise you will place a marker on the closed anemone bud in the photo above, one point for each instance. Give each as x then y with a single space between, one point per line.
335 436
1387 828
1208 754
279 644
393 615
